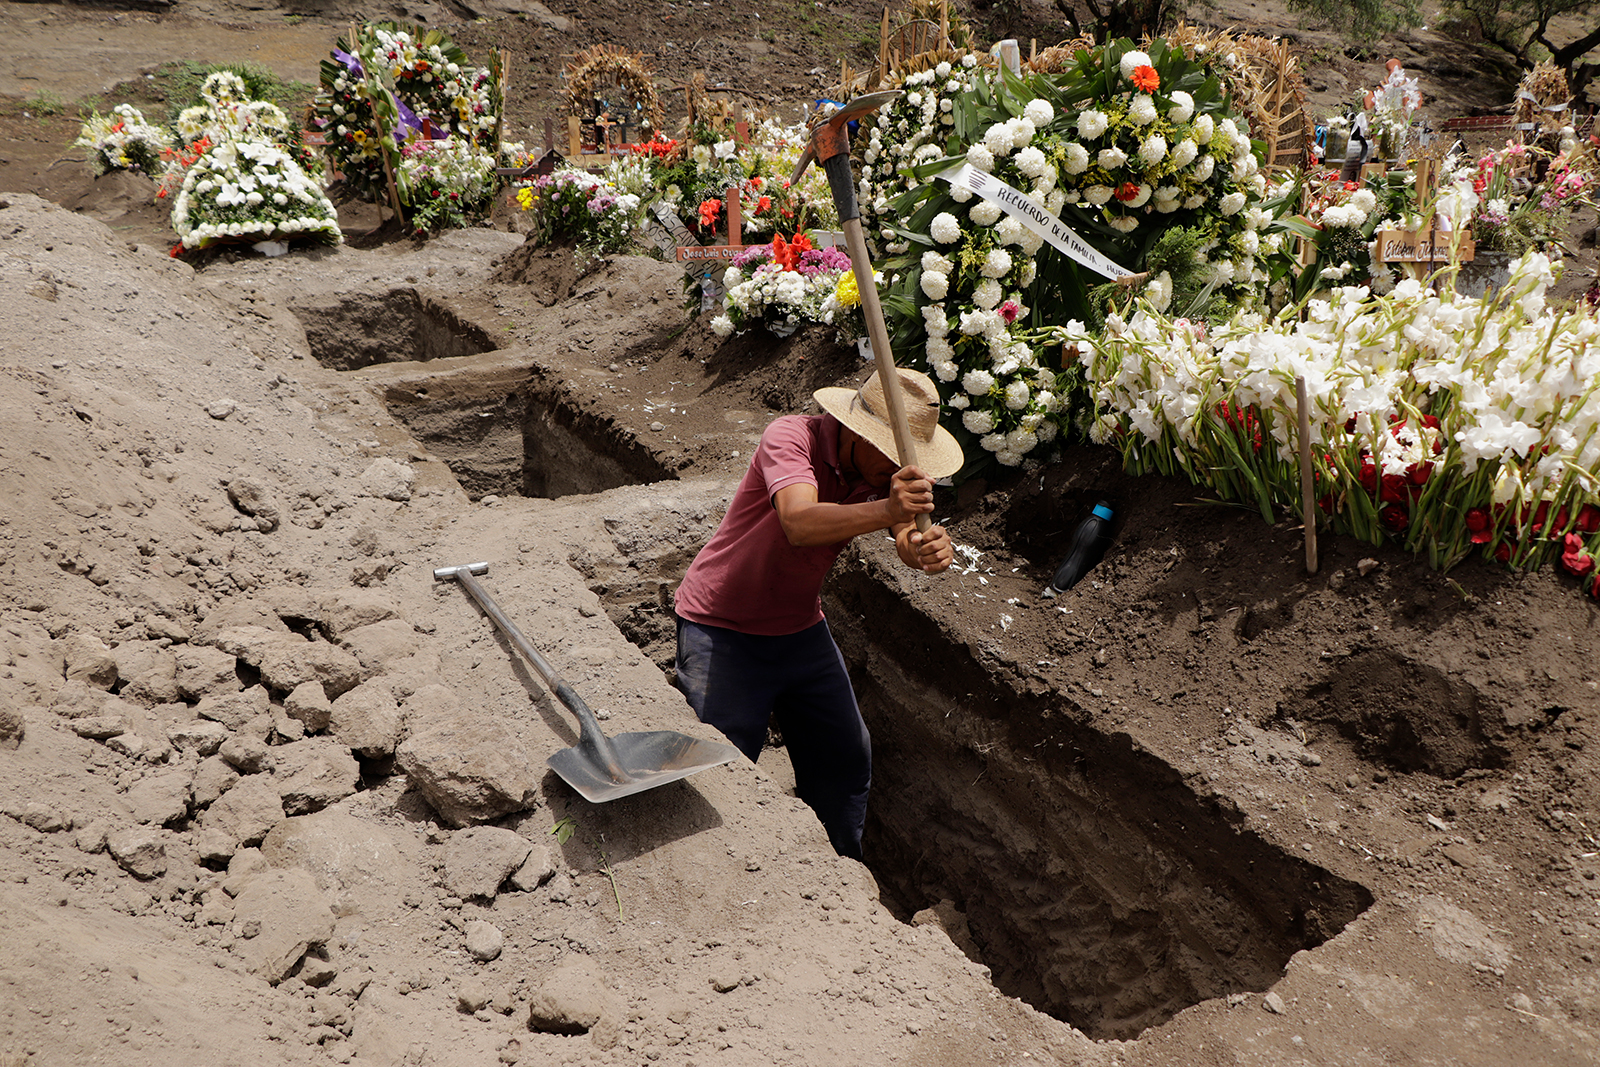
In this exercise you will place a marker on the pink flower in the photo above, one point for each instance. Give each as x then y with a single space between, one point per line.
1009 310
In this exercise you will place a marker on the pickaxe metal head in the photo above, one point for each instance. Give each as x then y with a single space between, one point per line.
830 136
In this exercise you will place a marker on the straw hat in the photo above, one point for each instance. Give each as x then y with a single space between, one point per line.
866 411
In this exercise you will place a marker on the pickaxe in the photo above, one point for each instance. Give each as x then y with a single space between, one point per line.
830 142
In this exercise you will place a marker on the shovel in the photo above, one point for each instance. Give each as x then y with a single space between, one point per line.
830 143
600 768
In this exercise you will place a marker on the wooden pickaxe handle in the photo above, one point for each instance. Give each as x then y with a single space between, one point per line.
830 143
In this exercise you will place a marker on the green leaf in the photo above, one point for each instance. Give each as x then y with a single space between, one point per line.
564 830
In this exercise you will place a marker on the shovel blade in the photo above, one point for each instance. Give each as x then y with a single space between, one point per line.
646 759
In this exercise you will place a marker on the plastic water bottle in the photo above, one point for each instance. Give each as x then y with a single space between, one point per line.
1089 543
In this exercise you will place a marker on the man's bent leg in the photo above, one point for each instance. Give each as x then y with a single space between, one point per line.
827 739
726 683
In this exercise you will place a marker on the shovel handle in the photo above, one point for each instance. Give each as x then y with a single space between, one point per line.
850 221
590 736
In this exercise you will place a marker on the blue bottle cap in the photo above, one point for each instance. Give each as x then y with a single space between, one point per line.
1103 511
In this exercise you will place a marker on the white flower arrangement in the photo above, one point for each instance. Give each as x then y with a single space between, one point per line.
250 190
123 140
1129 158
1487 402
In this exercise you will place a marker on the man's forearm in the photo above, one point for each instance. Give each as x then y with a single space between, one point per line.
813 524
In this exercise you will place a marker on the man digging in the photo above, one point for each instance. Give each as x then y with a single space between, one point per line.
752 641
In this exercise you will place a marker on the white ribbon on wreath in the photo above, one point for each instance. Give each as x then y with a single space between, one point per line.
1032 214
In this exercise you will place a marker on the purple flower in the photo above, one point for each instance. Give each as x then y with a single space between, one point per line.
815 261
755 255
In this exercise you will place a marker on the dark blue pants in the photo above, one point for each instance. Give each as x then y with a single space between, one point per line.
736 681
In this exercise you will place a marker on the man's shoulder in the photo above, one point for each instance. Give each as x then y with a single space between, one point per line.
793 430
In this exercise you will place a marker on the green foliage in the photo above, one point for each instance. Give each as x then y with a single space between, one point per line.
1522 29
564 829
1365 20
43 103
182 82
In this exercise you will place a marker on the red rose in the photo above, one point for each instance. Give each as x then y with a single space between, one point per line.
1575 559
1369 474
1394 518
1478 523
1588 519
1502 552
1417 473
1393 489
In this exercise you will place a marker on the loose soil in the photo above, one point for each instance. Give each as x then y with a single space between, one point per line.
1203 808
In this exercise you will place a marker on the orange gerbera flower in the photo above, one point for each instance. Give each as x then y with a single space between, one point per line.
1145 79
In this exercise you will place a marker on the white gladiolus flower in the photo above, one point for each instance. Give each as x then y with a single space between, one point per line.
985 213
944 228
1131 61
1182 108
935 285
996 264
1077 158
987 294
1039 112
725 149
1153 150
1111 158
981 158
1098 194
1092 124
1158 291
1142 111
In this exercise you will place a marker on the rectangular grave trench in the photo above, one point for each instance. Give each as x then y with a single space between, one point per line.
1090 878
507 430
359 329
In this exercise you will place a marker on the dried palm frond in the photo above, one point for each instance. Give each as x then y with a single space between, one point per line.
1542 98
1059 57
1266 86
604 66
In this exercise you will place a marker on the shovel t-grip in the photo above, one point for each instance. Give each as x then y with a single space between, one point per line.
830 143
